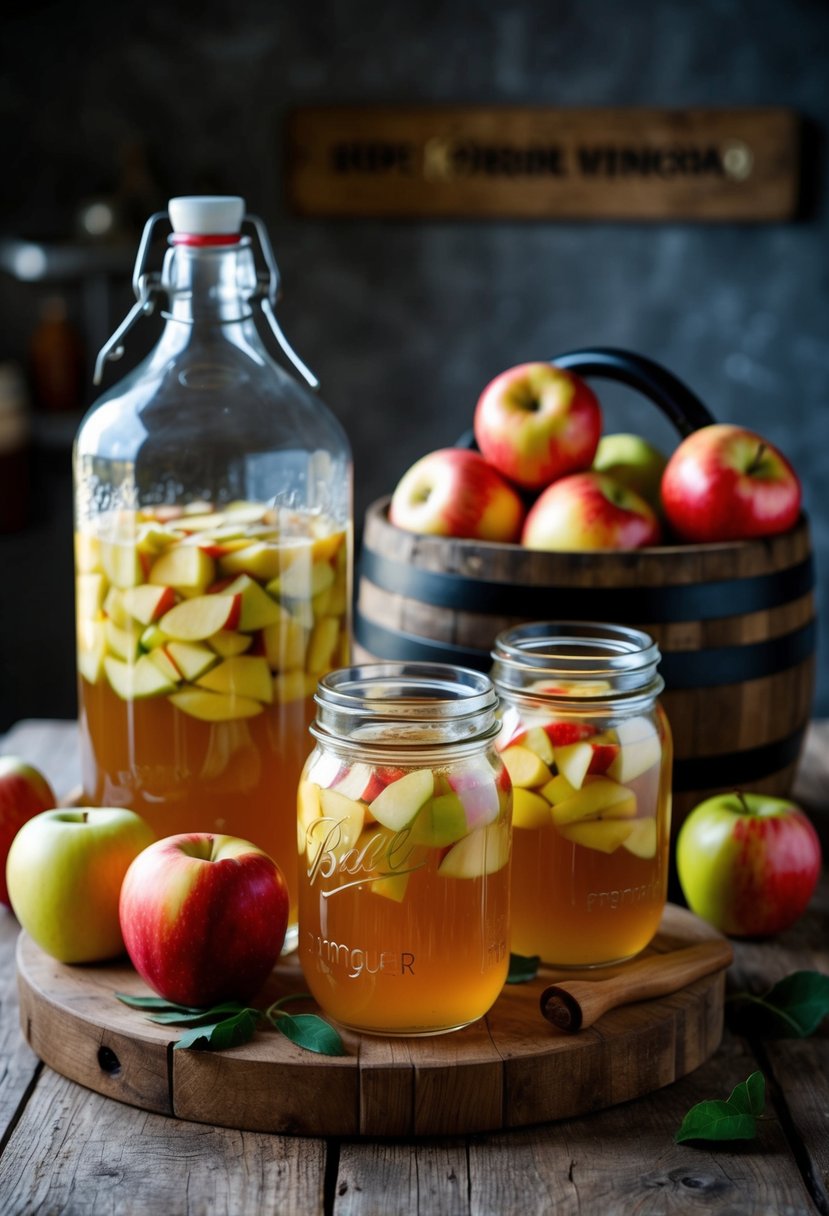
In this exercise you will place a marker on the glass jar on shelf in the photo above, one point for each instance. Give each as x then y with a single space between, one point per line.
588 748
213 544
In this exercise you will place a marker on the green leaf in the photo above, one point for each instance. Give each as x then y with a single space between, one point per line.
201 1017
793 1009
154 1002
217 1036
311 1032
734 1119
522 968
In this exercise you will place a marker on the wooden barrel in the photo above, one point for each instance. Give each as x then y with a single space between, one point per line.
735 623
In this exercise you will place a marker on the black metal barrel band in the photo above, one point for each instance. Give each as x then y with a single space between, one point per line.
680 669
625 605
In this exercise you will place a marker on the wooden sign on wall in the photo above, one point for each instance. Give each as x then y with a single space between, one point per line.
544 163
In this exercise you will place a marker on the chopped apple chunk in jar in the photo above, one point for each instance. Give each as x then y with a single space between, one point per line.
591 817
197 670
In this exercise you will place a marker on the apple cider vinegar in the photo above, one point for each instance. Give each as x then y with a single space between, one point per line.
588 749
403 836
197 730
213 549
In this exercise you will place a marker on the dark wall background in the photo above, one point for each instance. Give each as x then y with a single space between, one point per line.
405 322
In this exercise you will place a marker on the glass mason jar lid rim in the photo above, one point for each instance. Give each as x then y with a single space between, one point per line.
577 649
414 691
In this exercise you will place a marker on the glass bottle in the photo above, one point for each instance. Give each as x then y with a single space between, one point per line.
588 749
213 543
403 833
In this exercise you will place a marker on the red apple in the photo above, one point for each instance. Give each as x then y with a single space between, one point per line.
590 511
24 793
727 483
455 492
203 917
536 422
748 863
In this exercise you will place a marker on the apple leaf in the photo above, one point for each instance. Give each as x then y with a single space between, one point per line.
522 968
793 1009
311 1032
216 1036
157 1003
734 1119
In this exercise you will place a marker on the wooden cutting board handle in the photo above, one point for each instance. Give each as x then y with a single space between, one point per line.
576 1004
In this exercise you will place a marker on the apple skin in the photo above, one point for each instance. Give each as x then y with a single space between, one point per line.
64 874
536 423
455 492
204 917
590 511
748 863
24 793
634 462
727 483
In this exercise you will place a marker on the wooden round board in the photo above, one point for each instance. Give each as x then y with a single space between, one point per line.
509 1069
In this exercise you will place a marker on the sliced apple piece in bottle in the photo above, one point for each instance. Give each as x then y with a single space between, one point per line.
573 761
123 643
323 644
257 608
147 603
186 568
639 749
122 563
529 809
598 796
165 664
191 659
152 637
285 643
113 607
642 839
484 851
215 706
397 805
135 681
260 560
245 675
292 686
199 618
525 768
604 835
558 789
87 553
228 643
90 593
92 648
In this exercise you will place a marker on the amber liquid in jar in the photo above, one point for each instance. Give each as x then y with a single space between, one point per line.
404 852
198 717
589 752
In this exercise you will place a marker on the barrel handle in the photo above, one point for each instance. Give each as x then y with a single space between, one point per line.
682 407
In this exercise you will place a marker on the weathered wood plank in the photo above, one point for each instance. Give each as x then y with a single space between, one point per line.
625 1160
429 1178
18 1064
76 1152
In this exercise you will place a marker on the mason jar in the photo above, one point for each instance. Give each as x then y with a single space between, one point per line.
403 834
588 749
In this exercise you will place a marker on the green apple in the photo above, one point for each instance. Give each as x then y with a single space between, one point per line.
64 873
748 863
634 462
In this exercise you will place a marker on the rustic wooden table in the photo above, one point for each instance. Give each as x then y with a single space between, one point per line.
65 1149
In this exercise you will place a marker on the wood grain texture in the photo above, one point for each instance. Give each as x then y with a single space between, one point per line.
537 162
505 1070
